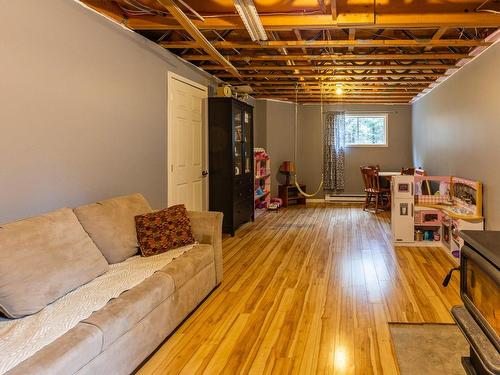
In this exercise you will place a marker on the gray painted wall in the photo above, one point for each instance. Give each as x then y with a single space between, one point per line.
279 130
259 123
456 128
392 158
274 130
83 109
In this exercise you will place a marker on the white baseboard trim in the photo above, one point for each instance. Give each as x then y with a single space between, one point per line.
345 198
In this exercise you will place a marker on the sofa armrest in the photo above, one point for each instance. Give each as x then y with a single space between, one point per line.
207 229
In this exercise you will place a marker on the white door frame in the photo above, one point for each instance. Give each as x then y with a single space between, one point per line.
170 78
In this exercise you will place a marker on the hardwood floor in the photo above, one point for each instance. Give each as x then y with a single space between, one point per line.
310 291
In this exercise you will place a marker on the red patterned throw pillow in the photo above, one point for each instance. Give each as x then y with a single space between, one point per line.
163 230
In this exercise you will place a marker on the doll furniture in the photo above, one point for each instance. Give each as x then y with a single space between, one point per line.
262 181
433 210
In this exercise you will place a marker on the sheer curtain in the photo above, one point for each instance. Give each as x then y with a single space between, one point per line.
333 152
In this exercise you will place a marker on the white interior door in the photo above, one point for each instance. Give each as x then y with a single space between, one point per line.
187 143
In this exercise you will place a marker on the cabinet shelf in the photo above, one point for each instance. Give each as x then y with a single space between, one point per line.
262 177
231 161
290 195
258 197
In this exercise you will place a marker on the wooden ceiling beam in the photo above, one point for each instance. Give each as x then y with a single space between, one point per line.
437 35
345 94
333 95
336 75
358 43
318 88
314 83
312 22
196 34
311 85
347 57
352 36
336 67
352 90
264 83
342 100
333 8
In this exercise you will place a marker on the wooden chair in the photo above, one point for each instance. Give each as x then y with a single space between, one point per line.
375 195
375 166
407 171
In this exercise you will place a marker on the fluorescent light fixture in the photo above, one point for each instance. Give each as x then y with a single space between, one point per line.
250 17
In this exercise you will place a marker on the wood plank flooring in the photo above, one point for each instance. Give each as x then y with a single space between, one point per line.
310 291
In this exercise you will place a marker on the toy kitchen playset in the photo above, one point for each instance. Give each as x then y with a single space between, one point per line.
432 210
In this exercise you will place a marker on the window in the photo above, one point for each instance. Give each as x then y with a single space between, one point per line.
366 130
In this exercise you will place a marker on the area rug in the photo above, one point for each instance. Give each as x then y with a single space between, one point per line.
429 349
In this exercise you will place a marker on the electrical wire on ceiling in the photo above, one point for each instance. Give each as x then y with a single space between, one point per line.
143 10
478 9
303 13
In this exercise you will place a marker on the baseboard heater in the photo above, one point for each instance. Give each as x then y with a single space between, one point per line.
344 197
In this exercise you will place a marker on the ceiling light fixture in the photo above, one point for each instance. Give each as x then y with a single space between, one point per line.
248 13
339 90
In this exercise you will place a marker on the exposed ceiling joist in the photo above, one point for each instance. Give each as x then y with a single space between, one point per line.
318 88
333 6
311 22
337 57
354 88
315 81
380 52
346 92
337 67
437 35
352 36
336 75
196 34
359 43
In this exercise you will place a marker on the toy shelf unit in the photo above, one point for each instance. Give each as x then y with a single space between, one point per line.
262 184
432 210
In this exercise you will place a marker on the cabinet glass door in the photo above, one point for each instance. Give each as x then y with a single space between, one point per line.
238 142
247 141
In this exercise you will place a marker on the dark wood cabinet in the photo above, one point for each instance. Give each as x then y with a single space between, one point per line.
231 161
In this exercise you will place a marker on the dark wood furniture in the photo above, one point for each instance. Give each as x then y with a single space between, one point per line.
480 291
407 171
290 195
376 197
231 177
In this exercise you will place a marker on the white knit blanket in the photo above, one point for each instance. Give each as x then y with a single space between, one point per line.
21 338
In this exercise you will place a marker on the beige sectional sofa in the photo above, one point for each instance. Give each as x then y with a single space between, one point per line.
119 337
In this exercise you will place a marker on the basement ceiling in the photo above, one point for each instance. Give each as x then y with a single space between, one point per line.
382 51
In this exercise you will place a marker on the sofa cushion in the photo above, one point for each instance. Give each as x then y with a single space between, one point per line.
189 264
111 225
133 347
121 314
163 230
66 355
43 258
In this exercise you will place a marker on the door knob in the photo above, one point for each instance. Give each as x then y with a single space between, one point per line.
204 173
